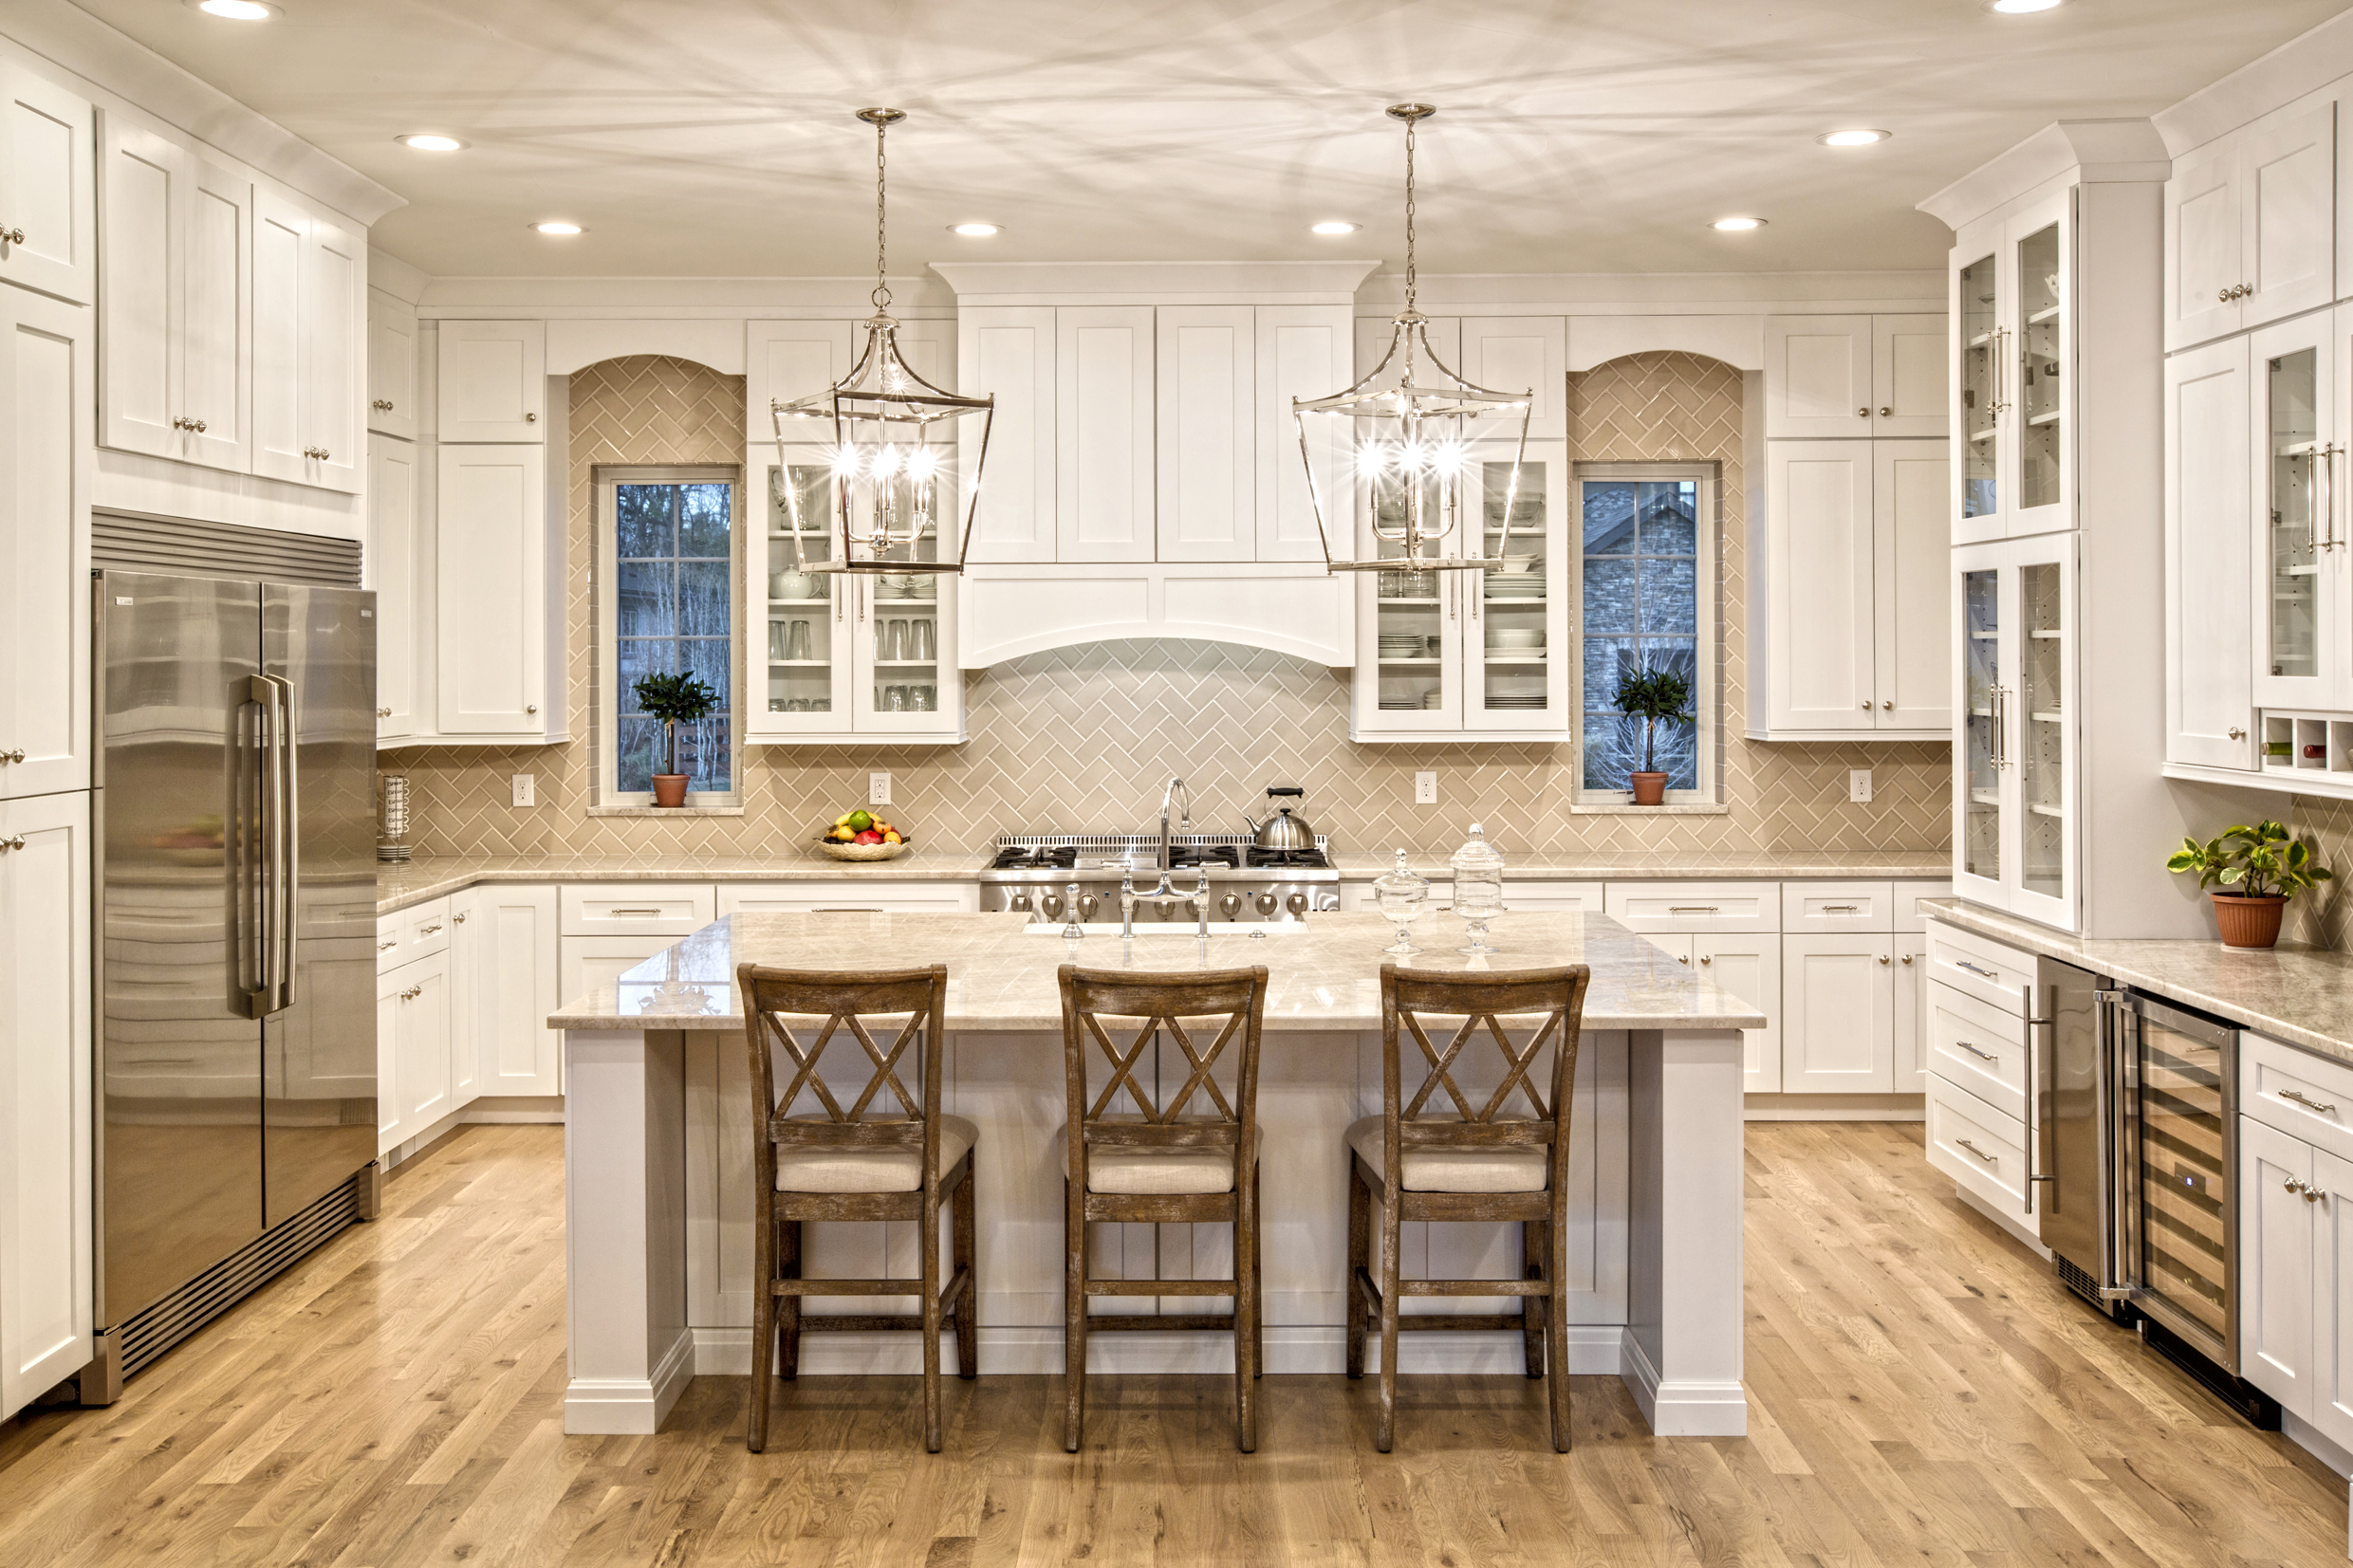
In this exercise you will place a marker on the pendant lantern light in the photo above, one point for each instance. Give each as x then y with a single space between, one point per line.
892 478
1410 422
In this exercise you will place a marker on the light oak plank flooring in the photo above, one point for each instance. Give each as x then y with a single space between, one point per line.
1920 1392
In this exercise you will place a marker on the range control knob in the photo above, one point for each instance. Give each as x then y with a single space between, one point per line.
1296 903
1327 902
1229 905
1088 904
1051 904
1267 903
1019 902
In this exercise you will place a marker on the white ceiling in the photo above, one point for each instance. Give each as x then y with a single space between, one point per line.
714 138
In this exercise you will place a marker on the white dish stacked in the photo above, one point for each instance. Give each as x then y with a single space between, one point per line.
1515 585
1397 645
1515 642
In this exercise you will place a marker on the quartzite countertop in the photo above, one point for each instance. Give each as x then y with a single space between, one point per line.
2297 994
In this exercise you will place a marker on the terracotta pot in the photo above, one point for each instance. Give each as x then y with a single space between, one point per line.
670 788
2249 922
1650 788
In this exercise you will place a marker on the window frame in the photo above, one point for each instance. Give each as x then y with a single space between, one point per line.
1708 615
605 480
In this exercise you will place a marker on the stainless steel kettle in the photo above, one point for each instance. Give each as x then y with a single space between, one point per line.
1283 830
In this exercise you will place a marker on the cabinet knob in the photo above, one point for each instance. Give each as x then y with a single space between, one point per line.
1863 412
13 236
1889 706
459 918
382 405
2237 733
1882 958
1887 414
2223 295
16 843
530 707
383 712
1681 959
16 756
1707 958
1907 958
1866 704
530 418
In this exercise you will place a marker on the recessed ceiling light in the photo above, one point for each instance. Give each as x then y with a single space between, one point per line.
977 231
238 10
1333 226
558 227
2019 8
1852 139
429 141
1733 226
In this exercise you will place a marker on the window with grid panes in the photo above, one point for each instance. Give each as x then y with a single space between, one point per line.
1646 599
669 547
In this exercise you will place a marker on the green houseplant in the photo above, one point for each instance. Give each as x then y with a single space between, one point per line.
675 700
1656 694
2258 870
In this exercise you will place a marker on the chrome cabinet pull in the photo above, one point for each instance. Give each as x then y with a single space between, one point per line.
428 931
2308 1104
1841 909
530 418
16 841
1964 1143
387 947
383 712
1985 974
1694 909
2315 1195
1887 414
2237 733
1862 414
1907 959
530 707
1682 958
650 914
1982 1056
1883 958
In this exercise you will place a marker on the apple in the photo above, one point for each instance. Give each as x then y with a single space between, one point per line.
869 837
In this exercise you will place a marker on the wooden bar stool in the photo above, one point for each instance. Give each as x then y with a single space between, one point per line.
1462 1161
1159 1164
853 1162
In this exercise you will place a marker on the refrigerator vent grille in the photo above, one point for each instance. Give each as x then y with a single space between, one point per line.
188 547
2077 1280
148 1335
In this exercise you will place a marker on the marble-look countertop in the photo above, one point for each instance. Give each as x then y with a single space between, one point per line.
1325 975
2298 994
399 887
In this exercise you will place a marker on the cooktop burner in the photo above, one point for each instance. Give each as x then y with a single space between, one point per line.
1290 860
1183 857
1020 859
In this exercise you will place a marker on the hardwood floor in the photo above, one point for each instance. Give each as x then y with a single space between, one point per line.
1919 1393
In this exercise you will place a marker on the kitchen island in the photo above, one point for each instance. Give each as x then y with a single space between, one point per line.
658 1161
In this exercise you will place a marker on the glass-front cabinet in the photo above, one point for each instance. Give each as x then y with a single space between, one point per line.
2300 569
1486 652
849 656
2014 790
2012 308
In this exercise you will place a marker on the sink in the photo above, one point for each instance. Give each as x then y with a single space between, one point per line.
1170 928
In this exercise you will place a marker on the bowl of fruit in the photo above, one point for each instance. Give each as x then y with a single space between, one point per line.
862 836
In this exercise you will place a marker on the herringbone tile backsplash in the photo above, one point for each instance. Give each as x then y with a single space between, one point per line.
1080 739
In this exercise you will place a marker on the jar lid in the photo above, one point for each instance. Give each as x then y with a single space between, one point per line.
1476 855
1401 881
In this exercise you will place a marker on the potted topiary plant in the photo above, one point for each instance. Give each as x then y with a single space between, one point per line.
675 700
1656 694
2259 868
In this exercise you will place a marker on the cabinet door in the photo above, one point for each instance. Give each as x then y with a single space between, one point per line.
492 382
1820 576
1207 371
2037 385
1911 1015
392 573
424 1047
389 984
1103 448
392 367
521 971
145 182
1303 351
468 1008
1010 352
2209 649
1519 354
334 351
45 1263
45 586
2331 1354
1911 550
1979 446
1817 376
2287 214
490 566
48 197
589 961
2299 579
2275 1257
1838 1029
786 361
1750 968
1908 375
216 328
2202 246
281 237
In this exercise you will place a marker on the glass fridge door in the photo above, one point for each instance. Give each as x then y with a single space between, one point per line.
2179 1135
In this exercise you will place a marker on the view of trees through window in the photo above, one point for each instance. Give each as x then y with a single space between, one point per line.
673 611
1640 597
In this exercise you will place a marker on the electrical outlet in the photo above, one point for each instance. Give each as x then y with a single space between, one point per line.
1425 789
1859 785
526 787
877 789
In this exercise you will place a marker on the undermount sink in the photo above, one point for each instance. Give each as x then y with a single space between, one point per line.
1170 928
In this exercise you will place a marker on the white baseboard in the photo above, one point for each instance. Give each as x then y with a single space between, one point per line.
1685 1407
490 1111
627 1405
1834 1108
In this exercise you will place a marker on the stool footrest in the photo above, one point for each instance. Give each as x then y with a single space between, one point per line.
1125 1323
1162 1287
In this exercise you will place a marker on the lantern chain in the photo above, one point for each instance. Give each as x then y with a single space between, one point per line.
882 295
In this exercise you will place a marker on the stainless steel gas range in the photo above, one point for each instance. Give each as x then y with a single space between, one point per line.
1044 874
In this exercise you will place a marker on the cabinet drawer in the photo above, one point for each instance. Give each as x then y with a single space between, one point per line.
388 928
1978 1046
1828 908
1693 906
853 897
2305 1095
634 909
425 931
1909 916
1977 1146
1548 897
1980 967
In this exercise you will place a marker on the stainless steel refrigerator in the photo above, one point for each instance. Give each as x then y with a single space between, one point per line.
236 919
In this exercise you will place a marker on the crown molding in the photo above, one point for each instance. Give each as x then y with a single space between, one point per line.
395 277
2094 151
2303 65
1155 282
647 299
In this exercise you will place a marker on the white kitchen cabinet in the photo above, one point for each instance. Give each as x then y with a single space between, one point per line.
422 1044
391 365
2278 1286
469 972
1910 377
785 361
2250 226
508 936
388 1006
1838 1000
498 570
2300 580
492 381
1103 390
2331 1408
47 1268
588 962
2209 608
1303 351
2016 693
1009 352
177 325
1206 374
46 408
1818 375
1851 599
1518 354
48 202
309 304
1749 966
391 571
1911 1014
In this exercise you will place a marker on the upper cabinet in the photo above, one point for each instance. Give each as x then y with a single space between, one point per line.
391 366
2013 293
2250 226
1518 354
499 599
493 385
2210 607
48 208
1103 455
309 310
1854 376
1207 383
45 581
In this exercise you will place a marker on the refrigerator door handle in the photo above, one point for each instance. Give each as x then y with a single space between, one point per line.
255 858
289 840
275 901
2037 1165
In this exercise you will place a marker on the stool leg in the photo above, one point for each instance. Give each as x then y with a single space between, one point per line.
1531 1307
762 1335
1074 1314
1390 1240
789 1307
930 1320
1245 1316
1556 1331
1258 1297
968 1304
1360 1256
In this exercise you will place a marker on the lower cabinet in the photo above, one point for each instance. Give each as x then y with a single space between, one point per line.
1750 968
412 1076
461 1007
45 1215
1911 1014
589 961
2295 1276
1838 1034
1983 1150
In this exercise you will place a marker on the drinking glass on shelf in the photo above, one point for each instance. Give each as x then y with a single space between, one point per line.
894 699
776 643
1402 896
797 641
924 696
925 644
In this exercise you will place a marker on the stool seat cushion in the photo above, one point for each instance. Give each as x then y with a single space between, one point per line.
1155 1171
869 1169
1453 1169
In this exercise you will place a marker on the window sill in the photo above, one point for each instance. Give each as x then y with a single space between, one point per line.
1627 808
665 811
